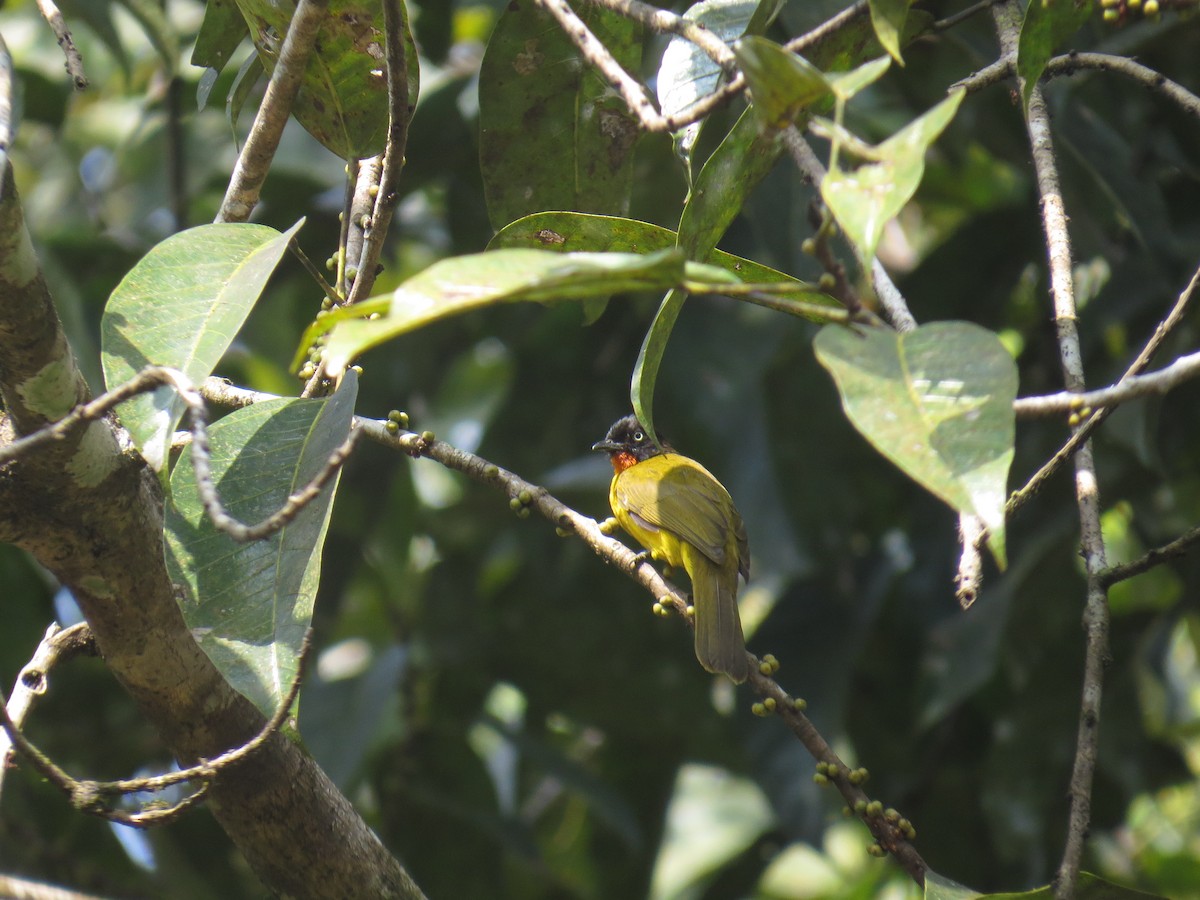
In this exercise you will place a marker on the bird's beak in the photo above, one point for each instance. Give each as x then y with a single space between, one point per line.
606 445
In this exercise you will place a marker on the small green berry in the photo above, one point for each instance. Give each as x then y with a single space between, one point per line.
827 282
800 703
428 437
326 303
525 497
874 808
1112 15
691 611
769 703
808 246
523 512
765 668
860 806
657 609
1150 8
491 470
331 264
373 191
891 815
307 371
876 851
515 503
391 427
820 780
758 709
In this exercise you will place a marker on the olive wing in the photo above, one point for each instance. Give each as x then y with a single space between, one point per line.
678 495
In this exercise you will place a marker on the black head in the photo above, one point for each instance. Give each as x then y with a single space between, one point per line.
628 436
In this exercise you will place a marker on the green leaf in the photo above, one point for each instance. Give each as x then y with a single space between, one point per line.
888 18
1089 887
343 100
645 370
782 84
249 605
686 72
221 31
937 402
462 284
182 306
565 232
864 200
553 134
847 84
1047 24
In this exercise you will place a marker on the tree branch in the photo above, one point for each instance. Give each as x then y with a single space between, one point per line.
1095 618
259 150
54 18
86 506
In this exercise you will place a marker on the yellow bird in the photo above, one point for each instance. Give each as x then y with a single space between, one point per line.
681 514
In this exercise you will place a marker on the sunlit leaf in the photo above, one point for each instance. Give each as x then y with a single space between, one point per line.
865 199
937 402
846 84
182 306
462 284
249 604
887 18
566 232
222 30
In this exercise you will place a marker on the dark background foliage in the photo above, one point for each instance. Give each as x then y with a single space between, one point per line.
501 704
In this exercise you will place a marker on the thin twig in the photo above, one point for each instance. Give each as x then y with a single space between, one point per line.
62 34
259 151
58 645
593 50
1156 557
666 22
156 376
1087 494
14 888
1081 434
1183 369
959 17
387 181
894 305
1073 62
95 796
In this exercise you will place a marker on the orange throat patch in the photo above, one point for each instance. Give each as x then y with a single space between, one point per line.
622 460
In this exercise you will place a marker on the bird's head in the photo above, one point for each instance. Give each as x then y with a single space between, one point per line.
627 443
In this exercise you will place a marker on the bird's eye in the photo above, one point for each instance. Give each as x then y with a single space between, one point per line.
638 436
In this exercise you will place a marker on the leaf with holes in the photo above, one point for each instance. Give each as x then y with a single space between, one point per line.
937 402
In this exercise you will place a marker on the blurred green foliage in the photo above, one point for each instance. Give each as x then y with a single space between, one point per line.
499 703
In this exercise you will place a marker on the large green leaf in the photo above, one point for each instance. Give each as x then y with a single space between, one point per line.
1089 887
462 284
937 402
553 134
865 199
343 99
249 605
182 306
222 30
566 232
1047 24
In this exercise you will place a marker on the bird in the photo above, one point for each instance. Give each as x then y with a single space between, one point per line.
679 512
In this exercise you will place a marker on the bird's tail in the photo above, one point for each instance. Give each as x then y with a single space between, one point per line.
720 646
